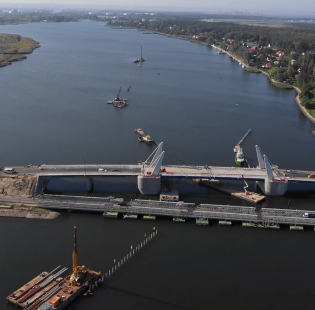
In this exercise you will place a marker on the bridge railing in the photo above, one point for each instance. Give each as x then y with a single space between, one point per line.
75 199
212 167
224 208
212 175
90 166
86 173
226 216
286 212
74 206
288 220
161 203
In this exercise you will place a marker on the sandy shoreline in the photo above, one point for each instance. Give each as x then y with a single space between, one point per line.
29 211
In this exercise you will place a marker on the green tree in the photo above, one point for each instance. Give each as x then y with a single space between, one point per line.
290 70
272 72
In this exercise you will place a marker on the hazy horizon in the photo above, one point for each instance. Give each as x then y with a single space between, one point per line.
268 7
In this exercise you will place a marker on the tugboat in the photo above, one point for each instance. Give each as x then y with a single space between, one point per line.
147 139
239 156
139 59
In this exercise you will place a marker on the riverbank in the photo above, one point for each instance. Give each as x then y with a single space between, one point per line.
13 47
274 83
26 211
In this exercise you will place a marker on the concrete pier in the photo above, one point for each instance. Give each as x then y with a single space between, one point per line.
149 185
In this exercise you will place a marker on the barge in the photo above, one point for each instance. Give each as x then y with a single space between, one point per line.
51 291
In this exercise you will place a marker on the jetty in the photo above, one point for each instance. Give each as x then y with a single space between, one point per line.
244 137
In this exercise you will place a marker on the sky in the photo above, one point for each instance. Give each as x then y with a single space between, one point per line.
279 7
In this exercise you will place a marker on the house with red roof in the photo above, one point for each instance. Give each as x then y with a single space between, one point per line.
267 65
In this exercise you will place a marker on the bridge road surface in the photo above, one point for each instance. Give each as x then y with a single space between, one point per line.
235 173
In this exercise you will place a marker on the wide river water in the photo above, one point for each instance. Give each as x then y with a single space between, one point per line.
54 111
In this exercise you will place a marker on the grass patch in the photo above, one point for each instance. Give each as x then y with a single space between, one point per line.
311 112
252 69
282 85
13 46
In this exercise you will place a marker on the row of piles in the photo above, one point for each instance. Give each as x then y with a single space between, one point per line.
133 251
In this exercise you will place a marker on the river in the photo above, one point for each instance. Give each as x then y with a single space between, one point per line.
54 111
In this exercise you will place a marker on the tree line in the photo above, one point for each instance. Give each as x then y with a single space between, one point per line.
298 43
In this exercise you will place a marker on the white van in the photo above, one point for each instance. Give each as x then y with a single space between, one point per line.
9 170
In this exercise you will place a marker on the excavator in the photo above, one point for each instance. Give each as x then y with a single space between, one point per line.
246 192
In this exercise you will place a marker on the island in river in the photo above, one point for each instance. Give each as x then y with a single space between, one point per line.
13 47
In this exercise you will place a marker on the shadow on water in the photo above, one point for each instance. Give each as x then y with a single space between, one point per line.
163 303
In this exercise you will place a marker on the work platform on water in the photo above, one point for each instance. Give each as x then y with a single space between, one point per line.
150 173
51 291
231 190
179 210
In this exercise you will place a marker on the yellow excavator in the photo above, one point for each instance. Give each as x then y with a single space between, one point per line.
79 272
246 192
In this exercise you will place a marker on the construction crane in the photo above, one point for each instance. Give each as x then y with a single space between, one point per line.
78 272
118 94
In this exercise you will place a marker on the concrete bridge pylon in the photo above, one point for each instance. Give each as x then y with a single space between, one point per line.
274 186
150 182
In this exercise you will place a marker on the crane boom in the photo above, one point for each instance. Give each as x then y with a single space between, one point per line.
75 254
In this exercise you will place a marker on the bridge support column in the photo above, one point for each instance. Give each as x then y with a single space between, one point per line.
90 185
42 183
275 187
149 185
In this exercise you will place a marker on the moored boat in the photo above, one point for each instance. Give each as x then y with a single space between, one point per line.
239 157
140 131
139 59
147 139
118 102
110 214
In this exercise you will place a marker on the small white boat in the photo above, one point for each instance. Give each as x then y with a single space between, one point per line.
140 131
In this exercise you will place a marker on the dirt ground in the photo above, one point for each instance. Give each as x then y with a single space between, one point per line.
18 185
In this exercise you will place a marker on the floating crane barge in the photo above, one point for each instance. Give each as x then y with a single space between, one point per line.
50 291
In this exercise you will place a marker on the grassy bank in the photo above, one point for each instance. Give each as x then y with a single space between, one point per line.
281 85
13 47
252 70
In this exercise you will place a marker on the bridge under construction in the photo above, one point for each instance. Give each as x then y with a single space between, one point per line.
272 180
267 217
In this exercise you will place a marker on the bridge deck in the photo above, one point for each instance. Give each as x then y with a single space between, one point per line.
178 209
172 171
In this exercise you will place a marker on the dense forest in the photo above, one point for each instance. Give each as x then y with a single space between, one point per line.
287 53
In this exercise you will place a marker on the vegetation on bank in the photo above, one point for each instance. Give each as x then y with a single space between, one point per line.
286 54
13 47
36 16
252 69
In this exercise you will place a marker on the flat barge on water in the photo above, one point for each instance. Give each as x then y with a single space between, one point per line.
50 291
